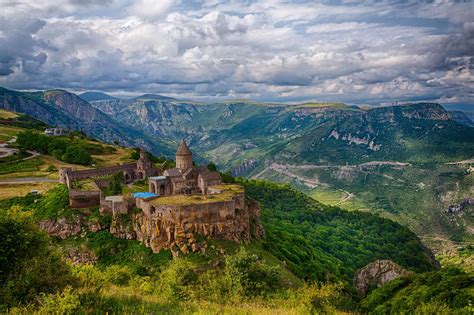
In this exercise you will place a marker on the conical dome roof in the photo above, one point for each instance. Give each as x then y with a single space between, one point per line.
183 149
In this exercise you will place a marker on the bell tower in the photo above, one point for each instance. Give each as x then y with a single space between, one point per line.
184 156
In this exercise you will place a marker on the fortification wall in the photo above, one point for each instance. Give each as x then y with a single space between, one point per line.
196 213
164 226
84 199
83 174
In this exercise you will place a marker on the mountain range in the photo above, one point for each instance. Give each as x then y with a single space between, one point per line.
391 160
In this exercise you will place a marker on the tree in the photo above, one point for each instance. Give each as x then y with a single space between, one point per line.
115 187
248 275
77 154
212 167
27 265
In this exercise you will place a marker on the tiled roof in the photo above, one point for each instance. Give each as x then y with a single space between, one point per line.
210 176
172 172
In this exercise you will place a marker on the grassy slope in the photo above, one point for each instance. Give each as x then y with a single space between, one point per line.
304 238
14 166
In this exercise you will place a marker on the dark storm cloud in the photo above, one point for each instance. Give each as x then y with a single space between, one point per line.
268 50
18 47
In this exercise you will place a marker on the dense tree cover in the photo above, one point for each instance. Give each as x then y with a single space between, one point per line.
326 243
248 275
63 149
73 149
441 291
28 266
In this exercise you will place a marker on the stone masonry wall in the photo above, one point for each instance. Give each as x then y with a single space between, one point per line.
73 175
83 199
165 227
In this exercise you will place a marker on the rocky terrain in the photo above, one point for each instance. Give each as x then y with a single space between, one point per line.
376 274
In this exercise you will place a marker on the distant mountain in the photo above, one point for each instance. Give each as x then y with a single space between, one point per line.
392 159
465 118
61 108
154 97
95 96
386 160
238 132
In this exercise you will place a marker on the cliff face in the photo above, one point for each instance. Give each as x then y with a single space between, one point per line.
180 234
377 273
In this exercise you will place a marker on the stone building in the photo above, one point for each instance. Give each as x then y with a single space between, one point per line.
182 202
184 178
184 157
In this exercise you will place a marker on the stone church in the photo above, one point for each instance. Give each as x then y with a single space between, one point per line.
185 178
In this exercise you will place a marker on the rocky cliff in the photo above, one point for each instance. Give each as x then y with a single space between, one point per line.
182 236
376 274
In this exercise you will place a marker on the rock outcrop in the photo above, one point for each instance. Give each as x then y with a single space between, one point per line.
80 256
181 235
377 273
62 228
65 227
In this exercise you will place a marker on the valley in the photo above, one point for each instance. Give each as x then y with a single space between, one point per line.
311 250
408 163
396 161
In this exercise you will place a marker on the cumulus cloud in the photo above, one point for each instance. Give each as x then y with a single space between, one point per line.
267 50
151 9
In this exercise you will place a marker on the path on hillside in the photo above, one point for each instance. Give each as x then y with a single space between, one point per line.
27 180
311 183
6 151
470 161
347 197
284 169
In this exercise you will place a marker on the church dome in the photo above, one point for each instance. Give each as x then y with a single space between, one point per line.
183 148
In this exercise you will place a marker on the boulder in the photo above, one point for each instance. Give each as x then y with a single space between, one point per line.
377 273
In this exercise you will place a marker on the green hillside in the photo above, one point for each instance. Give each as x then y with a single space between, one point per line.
305 241
305 264
321 148
67 110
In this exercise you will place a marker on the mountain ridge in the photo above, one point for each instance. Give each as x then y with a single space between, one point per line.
61 108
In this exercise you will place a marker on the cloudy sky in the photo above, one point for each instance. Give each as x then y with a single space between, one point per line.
272 50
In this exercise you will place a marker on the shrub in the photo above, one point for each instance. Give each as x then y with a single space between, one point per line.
317 298
65 302
248 275
28 265
177 280
118 275
115 187
77 154
54 204
51 168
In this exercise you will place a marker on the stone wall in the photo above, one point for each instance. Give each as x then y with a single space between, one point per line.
83 174
164 226
83 198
